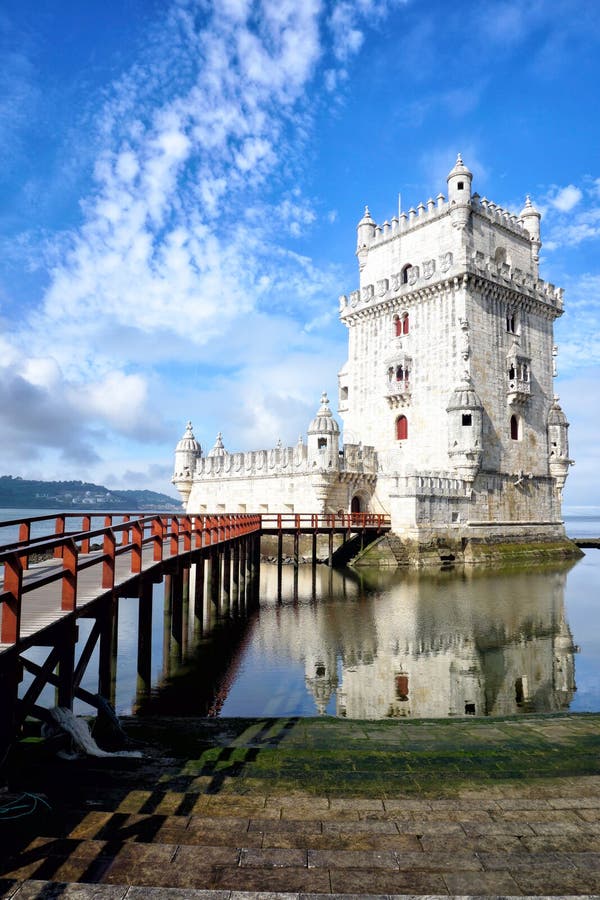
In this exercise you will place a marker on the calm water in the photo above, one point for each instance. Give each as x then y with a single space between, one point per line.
400 644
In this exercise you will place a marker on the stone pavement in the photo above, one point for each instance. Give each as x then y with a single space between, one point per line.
224 809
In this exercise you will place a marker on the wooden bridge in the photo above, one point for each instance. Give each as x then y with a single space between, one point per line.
209 564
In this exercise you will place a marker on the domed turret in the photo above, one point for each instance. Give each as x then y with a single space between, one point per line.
218 449
459 193
187 451
324 438
465 429
365 234
558 445
530 218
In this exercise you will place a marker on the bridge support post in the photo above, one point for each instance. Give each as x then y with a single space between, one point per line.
235 575
213 575
279 563
185 609
199 595
330 555
9 690
144 648
167 616
243 585
296 562
226 593
176 643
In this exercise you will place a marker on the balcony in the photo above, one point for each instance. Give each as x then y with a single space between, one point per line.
397 392
519 390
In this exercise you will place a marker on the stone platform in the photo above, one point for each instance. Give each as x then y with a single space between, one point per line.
229 809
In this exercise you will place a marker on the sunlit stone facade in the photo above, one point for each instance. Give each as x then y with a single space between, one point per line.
450 420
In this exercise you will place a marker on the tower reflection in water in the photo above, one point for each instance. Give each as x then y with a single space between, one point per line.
381 646
430 645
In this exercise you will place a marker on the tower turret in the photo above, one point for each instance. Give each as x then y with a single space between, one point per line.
530 218
324 439
459 193
187 451
558 445
365 234
465 429
218 449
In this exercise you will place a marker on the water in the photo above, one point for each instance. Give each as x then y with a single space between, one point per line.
400 644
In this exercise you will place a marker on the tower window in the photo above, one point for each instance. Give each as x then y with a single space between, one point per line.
401 428
397 326
467 419
460 185
405 323
321 443
511 321
514 428
405 271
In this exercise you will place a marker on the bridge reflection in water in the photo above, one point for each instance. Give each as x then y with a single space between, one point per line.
379 646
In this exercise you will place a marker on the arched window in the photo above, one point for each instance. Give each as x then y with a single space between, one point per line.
401 428
397 326
399 374
405 323
404 274
514 428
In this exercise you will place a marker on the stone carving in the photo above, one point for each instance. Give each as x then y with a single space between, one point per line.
382 287
413 275
446 261
354 298
428 268
367 293
395 282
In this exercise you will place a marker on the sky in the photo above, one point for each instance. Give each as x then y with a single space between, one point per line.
180 184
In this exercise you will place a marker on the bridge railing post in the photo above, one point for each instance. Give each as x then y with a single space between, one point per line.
137 535
174 541
24 535
11 607
158 534
59 529
86 524
125 532
108 566
186 524
69 579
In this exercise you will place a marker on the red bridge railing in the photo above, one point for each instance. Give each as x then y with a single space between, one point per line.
166 533
170 533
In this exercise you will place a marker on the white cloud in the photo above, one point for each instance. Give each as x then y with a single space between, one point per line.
183 236
566 198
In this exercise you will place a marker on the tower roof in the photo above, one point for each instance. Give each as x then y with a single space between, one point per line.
218 449
323 422
366 219
555 415
188 442
459 169
529 209
464 396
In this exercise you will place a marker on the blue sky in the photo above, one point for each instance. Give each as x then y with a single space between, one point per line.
179 190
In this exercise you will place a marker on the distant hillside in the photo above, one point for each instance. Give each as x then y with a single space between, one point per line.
20 492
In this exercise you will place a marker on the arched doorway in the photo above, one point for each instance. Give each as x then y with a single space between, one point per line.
356 504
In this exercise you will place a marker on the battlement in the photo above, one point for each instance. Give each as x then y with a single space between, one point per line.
277 461
437 209
421 275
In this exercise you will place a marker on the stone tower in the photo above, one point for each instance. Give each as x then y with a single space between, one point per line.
449 371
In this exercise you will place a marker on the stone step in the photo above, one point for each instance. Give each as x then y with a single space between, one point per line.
511 847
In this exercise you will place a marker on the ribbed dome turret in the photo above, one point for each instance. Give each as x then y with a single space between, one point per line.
324 423
464 396
555 415
218 449
188 443
529 210
459 169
